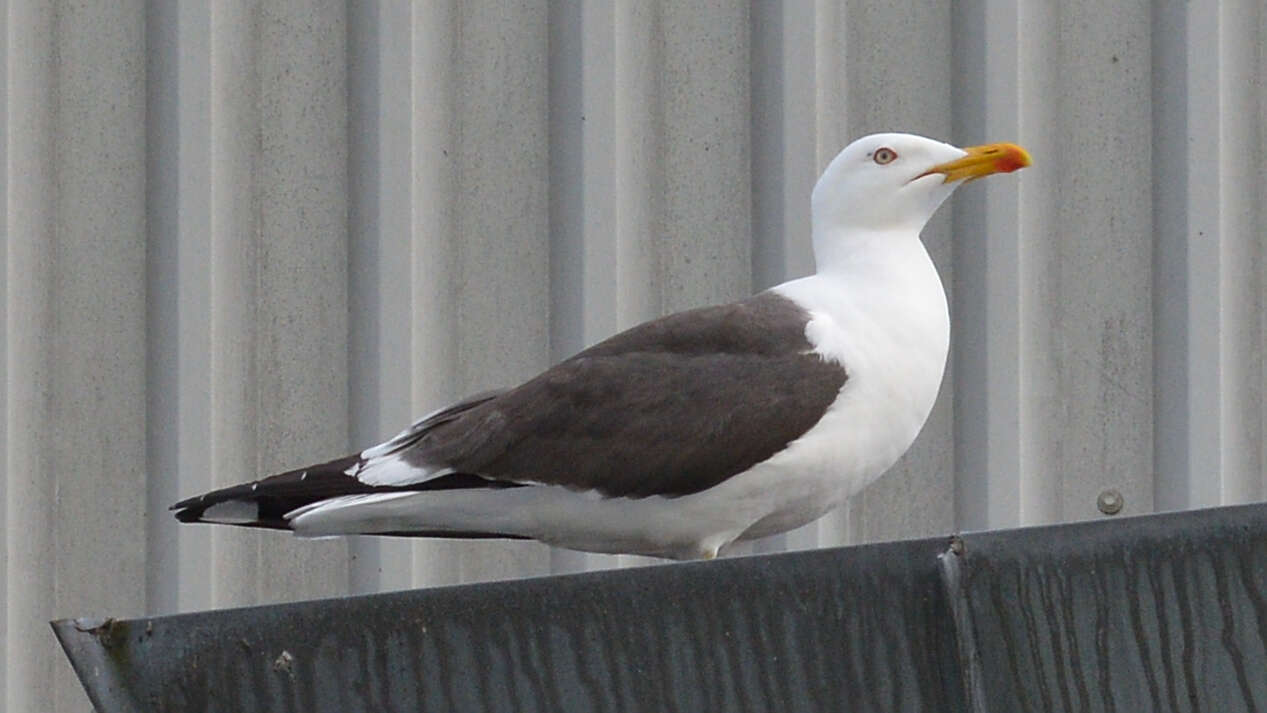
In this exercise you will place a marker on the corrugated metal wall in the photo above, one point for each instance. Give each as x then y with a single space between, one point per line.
241 236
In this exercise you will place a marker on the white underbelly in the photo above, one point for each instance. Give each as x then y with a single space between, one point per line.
859 437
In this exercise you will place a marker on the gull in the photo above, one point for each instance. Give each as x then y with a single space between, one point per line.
686 434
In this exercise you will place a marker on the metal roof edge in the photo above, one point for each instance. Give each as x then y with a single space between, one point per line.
1113 614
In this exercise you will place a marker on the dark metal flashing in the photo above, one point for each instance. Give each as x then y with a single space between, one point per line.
1157 613
1164 612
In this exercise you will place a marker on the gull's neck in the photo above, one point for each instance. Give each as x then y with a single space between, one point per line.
880 309
881 284
853 251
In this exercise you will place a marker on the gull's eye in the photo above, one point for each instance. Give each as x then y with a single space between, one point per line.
884 155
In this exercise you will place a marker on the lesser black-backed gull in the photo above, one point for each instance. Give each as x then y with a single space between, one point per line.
691 432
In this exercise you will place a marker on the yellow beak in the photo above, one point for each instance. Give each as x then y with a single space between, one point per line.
982 161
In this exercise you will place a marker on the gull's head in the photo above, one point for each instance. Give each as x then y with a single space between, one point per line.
886 182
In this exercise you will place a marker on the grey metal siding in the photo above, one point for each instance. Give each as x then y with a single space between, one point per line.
244 235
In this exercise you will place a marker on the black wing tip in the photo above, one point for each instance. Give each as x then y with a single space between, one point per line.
192 509
186 503
187 514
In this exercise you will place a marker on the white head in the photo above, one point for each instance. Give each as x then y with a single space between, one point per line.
888 182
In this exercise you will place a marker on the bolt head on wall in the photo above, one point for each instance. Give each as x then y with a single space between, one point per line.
1110 502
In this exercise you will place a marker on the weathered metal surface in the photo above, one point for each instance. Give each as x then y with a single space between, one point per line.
1157 613
1163 612
862 629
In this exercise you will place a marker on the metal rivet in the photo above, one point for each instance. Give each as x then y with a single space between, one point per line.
1110 502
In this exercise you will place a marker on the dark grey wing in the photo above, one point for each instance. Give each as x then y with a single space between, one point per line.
670 407
409 437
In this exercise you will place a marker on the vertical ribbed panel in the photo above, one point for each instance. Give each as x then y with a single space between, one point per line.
30 489
242 236
278 275
300 320
1241 159
75 476
985 303
1209 126
1086 362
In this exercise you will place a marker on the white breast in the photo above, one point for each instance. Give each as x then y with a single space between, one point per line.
891 331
